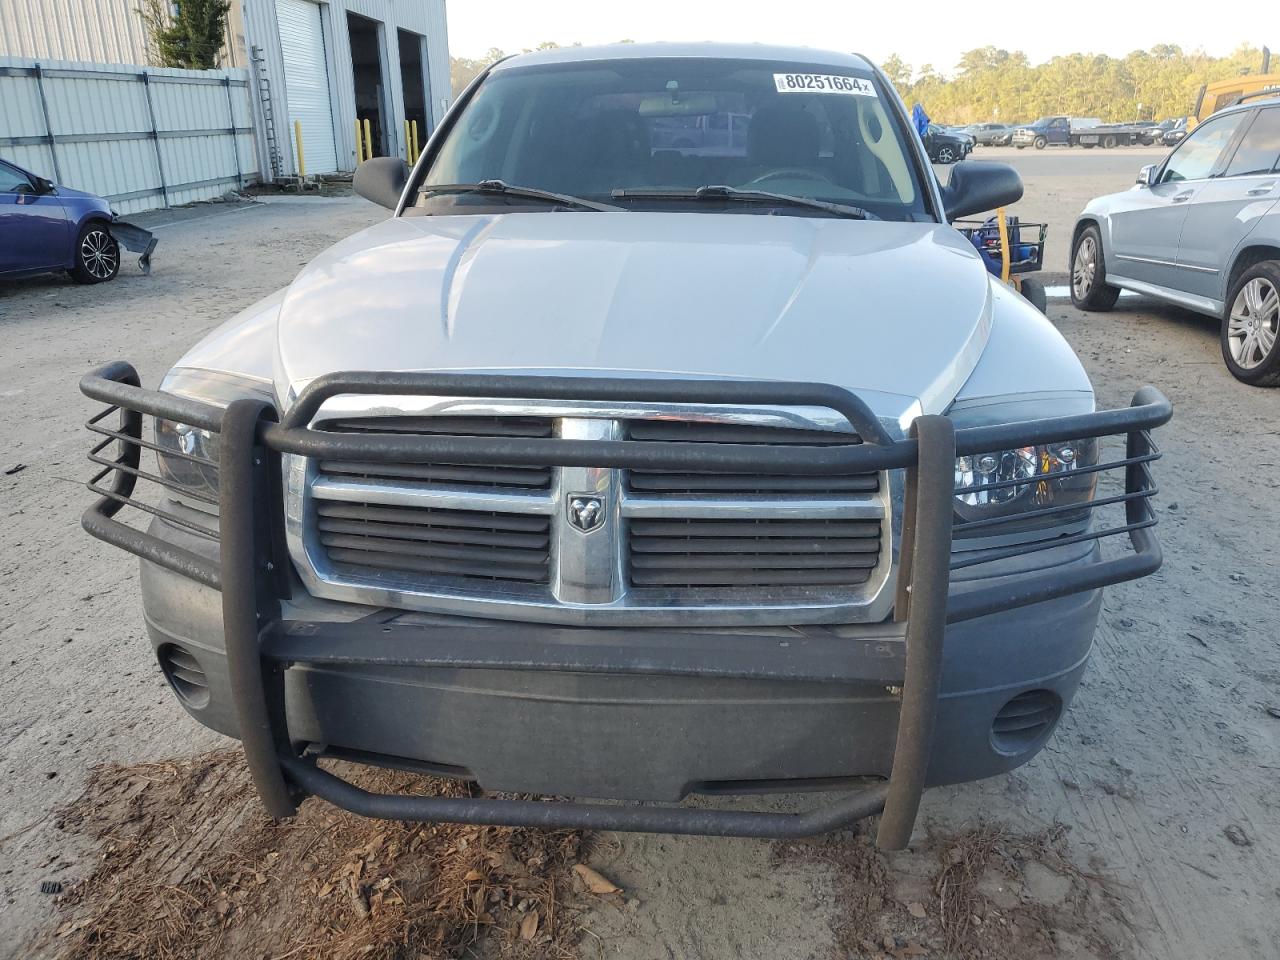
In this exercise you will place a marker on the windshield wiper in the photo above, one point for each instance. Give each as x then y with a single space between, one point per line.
723 192
502 188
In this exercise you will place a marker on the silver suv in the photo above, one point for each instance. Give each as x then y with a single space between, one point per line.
1202 230
612 468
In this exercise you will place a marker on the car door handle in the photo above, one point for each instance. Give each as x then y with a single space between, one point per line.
1183 197
1260 190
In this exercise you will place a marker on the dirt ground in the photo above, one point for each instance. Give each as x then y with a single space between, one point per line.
1147 828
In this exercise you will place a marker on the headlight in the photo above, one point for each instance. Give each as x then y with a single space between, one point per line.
188 455
1005 483
181 466
993 489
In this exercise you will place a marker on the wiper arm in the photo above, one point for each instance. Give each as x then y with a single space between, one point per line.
502 188
723 192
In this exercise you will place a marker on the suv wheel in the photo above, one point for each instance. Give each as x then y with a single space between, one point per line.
97 254
946 155
1089 289
1251 326
1041 143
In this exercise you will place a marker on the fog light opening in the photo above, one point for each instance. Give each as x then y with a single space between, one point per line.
183 672
1025 721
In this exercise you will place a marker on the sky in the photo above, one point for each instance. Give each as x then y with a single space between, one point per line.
932 31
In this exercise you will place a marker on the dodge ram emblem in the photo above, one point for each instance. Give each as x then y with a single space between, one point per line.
586 513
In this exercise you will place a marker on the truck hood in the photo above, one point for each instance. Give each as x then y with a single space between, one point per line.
893 308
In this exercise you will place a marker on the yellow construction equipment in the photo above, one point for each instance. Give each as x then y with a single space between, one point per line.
1225 93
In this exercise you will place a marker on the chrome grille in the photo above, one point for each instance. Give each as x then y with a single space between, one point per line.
704 547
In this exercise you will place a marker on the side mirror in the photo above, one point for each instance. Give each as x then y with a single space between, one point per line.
43 186
381 180
976 186
1147 175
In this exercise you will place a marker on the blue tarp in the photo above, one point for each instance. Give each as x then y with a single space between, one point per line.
920 120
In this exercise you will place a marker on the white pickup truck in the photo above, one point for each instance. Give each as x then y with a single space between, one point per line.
607 468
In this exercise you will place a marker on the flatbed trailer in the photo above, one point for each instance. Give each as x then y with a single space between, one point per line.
1060 132
1113 135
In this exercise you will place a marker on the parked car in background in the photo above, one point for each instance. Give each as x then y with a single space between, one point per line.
991 134
944 146
1175 133
720 134
1146 132
1202 230
624 516
45 228
1154 135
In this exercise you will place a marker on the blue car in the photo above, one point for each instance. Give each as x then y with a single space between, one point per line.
46 228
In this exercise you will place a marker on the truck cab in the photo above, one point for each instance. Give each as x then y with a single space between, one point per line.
1047 131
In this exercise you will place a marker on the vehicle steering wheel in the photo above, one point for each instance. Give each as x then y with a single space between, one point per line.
789 173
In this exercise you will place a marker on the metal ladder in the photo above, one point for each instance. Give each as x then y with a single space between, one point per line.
268 115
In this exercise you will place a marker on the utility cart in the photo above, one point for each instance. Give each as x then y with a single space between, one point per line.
1011 248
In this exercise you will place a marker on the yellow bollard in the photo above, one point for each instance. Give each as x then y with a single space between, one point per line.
302 159
416 152
1003 229
368 141
359 144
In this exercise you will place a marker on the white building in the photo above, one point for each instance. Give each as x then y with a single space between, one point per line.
324 63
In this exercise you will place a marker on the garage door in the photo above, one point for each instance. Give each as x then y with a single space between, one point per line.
306 79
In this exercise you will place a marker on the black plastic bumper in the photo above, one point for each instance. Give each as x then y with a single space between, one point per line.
261 645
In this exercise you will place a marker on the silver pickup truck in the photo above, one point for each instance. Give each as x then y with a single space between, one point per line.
606 469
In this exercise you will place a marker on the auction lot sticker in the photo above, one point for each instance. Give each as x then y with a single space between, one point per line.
823 83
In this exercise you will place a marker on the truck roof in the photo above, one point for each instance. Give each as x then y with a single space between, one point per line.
726 51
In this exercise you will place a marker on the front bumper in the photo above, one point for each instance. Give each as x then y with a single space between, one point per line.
637 714
621 714
136 239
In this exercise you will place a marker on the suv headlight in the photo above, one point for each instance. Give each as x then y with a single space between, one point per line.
993 489
188 455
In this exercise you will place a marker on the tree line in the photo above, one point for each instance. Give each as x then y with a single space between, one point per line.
990 84
994 84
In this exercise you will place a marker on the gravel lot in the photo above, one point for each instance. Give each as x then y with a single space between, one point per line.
1164 773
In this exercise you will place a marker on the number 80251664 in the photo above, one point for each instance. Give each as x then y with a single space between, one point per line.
822 83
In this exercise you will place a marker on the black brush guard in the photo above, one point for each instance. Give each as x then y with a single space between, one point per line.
261 645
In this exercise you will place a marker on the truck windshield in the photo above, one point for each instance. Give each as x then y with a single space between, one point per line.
612 131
